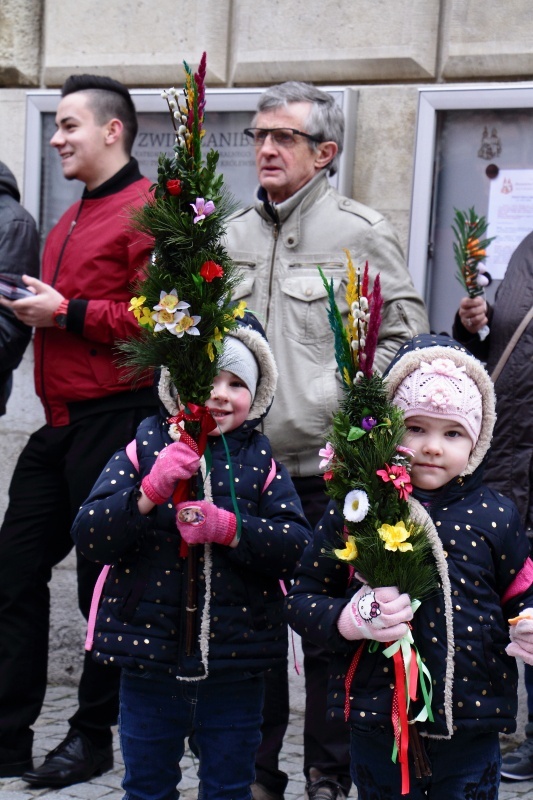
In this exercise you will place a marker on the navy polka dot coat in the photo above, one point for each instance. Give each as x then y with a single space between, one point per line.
239 622
461 631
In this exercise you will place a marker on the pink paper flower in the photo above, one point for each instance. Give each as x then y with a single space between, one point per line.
328 454
399 477
202 208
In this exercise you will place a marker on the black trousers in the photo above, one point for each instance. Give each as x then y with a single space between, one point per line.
326 741
53 476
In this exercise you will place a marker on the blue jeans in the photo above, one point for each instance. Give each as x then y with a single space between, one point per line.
156 717
465 767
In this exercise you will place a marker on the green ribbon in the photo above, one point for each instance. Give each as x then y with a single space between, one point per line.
232 488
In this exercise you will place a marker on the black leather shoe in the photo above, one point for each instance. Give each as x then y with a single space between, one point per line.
75 760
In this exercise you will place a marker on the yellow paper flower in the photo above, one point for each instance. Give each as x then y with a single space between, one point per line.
212 347
145 317
135 306
349 552
239 309
395 537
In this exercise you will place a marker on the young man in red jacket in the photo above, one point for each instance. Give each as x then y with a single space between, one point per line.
80 311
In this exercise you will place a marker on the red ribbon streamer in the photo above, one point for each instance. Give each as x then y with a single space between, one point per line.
192 413
399 718
349 678
413 675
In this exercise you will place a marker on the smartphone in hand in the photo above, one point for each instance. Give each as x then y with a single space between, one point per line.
12 287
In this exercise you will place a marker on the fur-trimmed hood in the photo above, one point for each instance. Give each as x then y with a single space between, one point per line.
251 333
427 346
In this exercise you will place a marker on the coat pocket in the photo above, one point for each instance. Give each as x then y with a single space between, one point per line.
305 307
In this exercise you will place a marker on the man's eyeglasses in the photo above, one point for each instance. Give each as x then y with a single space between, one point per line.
283 137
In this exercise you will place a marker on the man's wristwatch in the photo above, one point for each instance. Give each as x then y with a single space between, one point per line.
59 316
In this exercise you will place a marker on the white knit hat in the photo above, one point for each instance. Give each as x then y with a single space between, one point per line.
441 388
237 358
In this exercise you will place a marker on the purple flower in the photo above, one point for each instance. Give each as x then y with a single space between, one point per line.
202 208
367 423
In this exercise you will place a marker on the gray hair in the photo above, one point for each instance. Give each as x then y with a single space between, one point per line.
325 121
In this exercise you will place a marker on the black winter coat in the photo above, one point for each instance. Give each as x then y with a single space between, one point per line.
141 622
461 633
19 254
510 462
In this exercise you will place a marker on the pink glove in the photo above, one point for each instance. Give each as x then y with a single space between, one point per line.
177 462
521 634
199 522
379 614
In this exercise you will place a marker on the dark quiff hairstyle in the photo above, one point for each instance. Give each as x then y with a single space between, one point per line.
108 99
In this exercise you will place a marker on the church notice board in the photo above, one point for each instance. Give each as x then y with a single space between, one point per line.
228 111
474 148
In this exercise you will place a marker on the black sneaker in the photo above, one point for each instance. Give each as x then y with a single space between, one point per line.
518 764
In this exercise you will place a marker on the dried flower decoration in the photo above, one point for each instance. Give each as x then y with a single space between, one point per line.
368 468
183 303
368 478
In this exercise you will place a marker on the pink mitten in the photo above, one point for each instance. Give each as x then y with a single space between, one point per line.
521 633
379 614
199 522
177 462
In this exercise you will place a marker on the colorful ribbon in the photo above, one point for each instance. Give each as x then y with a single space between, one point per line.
202 415
409 673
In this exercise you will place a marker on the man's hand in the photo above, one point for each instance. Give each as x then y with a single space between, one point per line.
35 311
473 313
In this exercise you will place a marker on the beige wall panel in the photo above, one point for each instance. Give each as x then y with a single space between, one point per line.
20 35
487 38
342 40
139 42
384 151
13 127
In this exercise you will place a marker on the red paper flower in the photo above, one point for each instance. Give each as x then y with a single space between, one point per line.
174 187
211 270
399 477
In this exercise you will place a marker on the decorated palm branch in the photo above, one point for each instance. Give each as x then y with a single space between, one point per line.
470 251
183 301
367 468
367 474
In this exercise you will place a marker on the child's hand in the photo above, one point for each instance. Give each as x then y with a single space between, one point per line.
177 462
200 522
521 633
379 614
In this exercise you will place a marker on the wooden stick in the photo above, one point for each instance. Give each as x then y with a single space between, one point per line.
418 751
192 586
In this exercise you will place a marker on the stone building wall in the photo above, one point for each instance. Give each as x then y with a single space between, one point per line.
385 49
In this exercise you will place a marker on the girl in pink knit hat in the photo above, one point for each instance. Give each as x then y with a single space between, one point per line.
467 631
